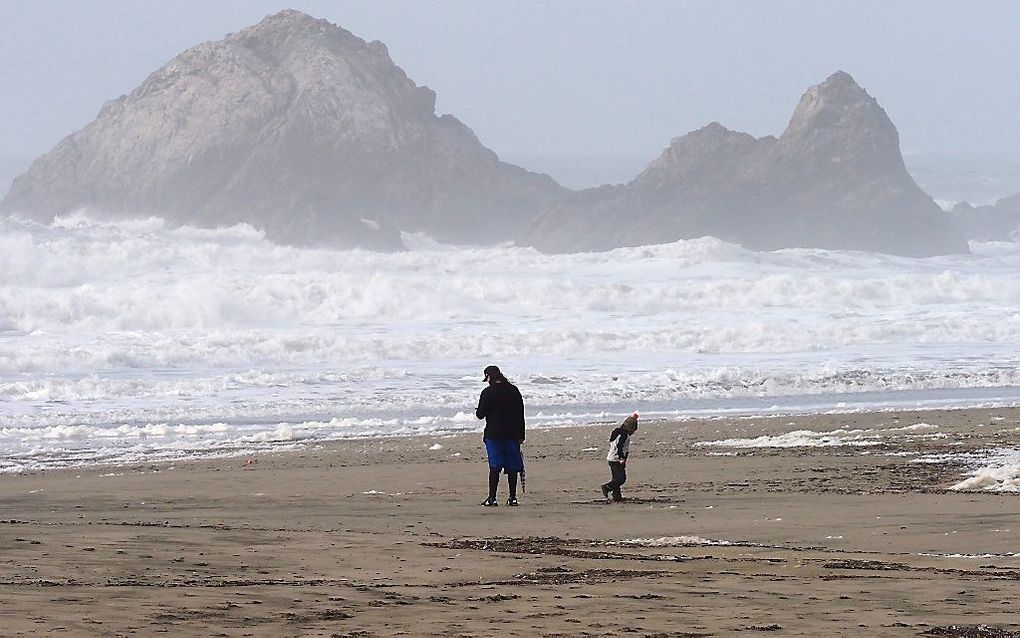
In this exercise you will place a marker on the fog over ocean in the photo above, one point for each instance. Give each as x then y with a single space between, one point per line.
949 178
132 341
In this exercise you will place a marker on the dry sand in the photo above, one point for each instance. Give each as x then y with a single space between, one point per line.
386 537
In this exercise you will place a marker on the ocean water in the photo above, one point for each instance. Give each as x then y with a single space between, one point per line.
951 178
133 341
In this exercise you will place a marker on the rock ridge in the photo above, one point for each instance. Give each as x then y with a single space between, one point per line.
296 126
834 179
301 128
996 222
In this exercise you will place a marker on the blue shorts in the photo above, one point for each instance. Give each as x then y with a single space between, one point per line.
504 454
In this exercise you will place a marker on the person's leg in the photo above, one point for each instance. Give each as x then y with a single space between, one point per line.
514 464
493 482
617 469
607 487
619 478
495 454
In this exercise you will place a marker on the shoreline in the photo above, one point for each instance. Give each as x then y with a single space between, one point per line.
284 446
380 537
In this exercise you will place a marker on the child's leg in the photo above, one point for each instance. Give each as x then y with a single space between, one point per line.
511 480
619 478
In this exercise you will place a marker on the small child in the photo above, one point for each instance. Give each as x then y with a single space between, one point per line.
619 447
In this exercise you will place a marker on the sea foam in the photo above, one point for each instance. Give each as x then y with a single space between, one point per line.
997 471
108 329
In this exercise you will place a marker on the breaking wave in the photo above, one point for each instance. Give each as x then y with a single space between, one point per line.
152 338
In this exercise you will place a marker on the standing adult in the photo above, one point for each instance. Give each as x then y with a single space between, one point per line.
502 407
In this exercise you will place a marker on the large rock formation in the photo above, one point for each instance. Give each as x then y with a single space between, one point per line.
298 127
834 179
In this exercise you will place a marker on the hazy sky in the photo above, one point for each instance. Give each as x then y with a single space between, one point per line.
592 78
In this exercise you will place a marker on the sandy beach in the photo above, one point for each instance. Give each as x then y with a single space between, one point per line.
384 537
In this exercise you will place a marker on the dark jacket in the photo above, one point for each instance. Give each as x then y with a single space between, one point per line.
502 407
619 446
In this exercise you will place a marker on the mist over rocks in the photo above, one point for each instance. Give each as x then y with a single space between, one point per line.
834 179
10 167
998 222
305 131
293 125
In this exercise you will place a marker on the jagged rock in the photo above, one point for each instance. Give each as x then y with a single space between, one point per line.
834 179
302 129
298 127
1000 222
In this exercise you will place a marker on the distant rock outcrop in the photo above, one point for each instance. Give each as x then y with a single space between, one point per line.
298 127
1000 222
834 179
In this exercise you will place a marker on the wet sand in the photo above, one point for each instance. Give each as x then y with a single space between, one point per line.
386 537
